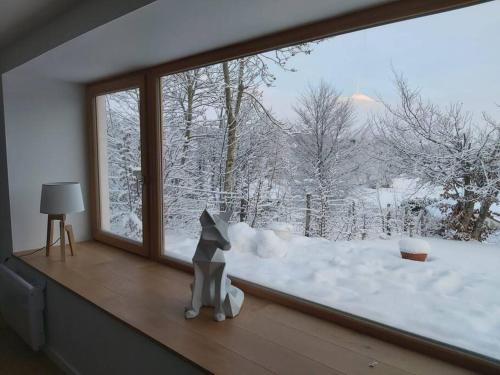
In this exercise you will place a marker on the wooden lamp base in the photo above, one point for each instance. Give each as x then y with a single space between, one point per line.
63 229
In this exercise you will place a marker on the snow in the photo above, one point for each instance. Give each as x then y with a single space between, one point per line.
262 243
401 190
453 297
282 230
404 188
414 245
269 245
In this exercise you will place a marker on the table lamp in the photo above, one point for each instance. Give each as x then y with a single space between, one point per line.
57 200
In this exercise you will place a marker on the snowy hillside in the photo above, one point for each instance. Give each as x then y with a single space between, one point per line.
453 297
401 189
406 189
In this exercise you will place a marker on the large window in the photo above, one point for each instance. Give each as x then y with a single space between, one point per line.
328 156
335 158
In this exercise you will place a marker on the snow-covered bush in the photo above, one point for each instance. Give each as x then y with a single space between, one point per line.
444 147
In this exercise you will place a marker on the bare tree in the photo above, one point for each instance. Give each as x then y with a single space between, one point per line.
124 162
325 142
243 79
186 98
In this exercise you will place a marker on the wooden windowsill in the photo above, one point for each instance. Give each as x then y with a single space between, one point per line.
265 338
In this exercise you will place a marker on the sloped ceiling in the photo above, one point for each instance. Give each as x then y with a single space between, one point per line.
19 17
169 29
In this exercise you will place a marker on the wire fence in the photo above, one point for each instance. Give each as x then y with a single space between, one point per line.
309 215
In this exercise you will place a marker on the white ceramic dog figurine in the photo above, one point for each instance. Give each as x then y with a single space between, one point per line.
211 286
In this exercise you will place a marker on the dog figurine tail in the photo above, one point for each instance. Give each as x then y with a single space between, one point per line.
233 301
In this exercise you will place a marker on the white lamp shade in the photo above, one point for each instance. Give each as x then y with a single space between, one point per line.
61 198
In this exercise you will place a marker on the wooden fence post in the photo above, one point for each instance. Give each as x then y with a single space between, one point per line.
388 220
354 221
405 220
307 231
243 209
364 234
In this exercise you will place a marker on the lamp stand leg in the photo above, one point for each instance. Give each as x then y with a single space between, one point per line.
63 228
71 238
62 233
49 235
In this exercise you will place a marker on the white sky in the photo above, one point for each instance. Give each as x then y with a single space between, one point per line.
451 57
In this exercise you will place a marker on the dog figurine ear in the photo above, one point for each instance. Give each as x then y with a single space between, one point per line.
226 216
206 219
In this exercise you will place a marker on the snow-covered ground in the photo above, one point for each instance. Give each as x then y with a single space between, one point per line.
454 297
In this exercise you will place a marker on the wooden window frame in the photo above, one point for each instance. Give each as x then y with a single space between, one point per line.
93 91
151 134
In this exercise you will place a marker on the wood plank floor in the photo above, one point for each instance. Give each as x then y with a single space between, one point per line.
265 338
17 358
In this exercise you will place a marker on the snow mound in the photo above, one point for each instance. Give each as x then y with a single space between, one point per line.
269 245
242 238
414 246
263 243
282 230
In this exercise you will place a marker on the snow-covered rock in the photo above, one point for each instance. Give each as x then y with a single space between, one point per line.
414 246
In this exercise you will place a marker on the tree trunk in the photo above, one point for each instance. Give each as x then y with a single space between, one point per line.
188 119
231 131
467 213
232 122
483 214
468 208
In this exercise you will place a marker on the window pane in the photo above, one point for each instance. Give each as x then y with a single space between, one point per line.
120 176
340 159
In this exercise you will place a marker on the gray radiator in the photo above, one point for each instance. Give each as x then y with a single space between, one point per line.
21 305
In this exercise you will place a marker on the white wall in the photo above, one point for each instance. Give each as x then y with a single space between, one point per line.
5 231
116 348
46 141
86 16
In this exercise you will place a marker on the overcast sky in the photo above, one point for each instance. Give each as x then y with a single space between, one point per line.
451 57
